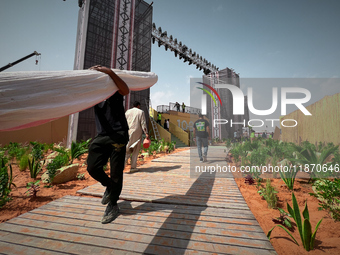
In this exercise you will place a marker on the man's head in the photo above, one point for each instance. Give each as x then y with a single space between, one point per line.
200 116
136 104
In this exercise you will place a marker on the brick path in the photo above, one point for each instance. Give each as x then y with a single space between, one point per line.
163 211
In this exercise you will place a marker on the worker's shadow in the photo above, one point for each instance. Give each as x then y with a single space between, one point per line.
180 219
158 169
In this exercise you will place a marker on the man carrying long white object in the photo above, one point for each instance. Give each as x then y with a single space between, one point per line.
32 98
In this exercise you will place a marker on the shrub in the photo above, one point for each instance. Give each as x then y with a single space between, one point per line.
16 150
35 167
23 164
6 182
269 194
59 161
289 176
77 149
37 150
329 193
309 157
3 158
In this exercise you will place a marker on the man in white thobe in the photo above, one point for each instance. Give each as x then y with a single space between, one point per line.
137 125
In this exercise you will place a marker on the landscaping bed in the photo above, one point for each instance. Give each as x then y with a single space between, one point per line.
267 193
327 239
20 201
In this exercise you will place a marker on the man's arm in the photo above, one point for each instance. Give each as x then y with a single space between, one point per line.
194 132
123 89
208 130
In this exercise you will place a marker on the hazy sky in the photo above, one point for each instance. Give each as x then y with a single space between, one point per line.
257 38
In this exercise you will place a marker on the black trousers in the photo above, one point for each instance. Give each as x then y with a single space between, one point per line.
102 149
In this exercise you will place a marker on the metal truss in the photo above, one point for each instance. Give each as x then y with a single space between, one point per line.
181 50
124 34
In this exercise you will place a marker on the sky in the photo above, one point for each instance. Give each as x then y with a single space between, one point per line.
256 38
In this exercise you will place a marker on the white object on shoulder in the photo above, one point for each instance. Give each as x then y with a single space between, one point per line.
32 98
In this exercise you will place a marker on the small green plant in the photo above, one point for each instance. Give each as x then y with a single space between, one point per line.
336 158
283 219
12 150
328 192
81 176
308 157
59 161
37 150
269 194
3 159
77 149
33 188
153 148
6 182
304 226
23 164
35 167
16 150
288 176
236 152
171 146
228 143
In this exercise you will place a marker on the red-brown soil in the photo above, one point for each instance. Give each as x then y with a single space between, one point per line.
327 237
21 203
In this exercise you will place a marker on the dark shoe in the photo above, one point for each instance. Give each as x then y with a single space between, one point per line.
133 170
106 196
111 213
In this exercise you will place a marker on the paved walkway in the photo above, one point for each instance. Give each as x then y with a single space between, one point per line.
164 210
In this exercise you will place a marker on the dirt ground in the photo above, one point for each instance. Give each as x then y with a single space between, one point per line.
22 203
327 237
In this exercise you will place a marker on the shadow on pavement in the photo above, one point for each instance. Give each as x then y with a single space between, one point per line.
205 181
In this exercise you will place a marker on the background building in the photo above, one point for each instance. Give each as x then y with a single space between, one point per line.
225 76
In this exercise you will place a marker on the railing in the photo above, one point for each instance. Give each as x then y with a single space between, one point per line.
172 107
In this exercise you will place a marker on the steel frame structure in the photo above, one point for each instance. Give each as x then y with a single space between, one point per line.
181 50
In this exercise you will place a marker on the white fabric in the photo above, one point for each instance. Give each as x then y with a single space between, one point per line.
33 98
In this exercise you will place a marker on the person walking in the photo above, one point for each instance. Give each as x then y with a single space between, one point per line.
178 106
165 124
201 136
137 126
110 143
159 119
238 135
168 125
183 107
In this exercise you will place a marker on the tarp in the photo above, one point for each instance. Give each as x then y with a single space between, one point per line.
32 98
